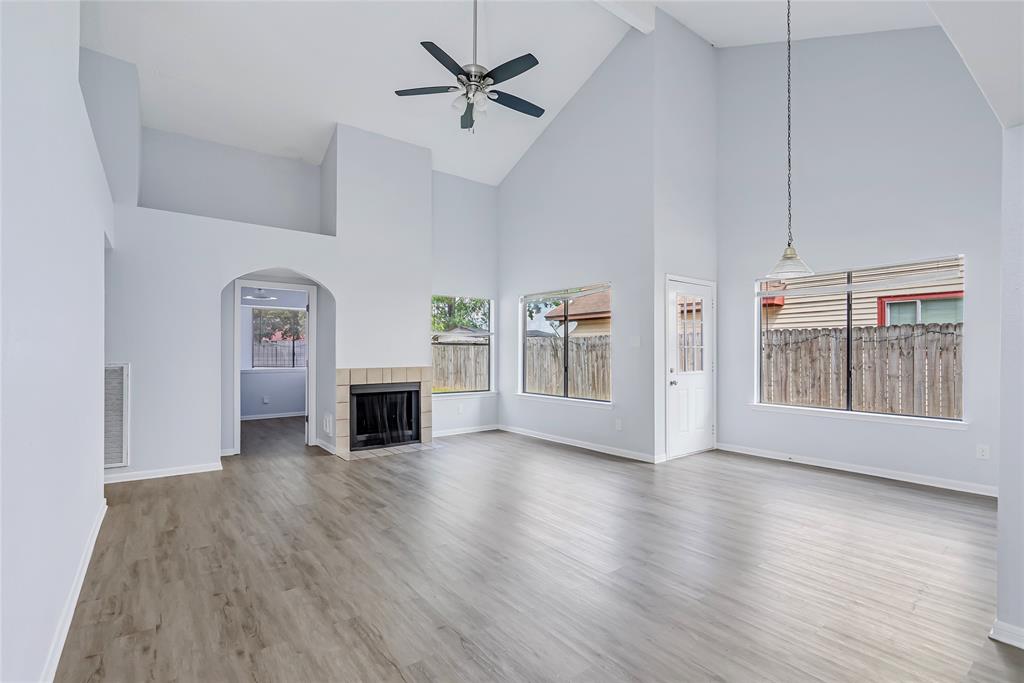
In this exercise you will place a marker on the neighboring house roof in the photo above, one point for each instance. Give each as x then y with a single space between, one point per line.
462 334
587 307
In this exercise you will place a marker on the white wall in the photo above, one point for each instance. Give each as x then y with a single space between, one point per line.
185 174
1010 591
329 187
111 91
685 165
56 204
326 330
465 263
377 269
896 158
578 210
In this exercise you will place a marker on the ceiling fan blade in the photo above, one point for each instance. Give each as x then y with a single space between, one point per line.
431 90
517 103
512 68
467 117
443 57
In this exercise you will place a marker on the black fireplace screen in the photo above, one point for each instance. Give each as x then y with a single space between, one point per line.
384 415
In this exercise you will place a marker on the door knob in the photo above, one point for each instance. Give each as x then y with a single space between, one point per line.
672 383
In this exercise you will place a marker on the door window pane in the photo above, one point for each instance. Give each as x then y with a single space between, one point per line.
690 333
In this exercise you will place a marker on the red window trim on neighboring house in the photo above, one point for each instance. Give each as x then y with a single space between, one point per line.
883 300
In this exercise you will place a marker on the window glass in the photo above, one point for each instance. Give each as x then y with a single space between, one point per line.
690 331
461 344
278 338
567 343
880 340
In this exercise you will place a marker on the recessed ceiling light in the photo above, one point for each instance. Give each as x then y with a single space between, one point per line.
260 295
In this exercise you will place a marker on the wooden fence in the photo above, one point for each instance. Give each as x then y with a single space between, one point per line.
897 369
461 367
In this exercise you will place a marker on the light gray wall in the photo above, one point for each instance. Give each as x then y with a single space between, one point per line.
896 158
111 90
329 187
284 391
188 175
326 330
685 165
1010 608
465 263
578 210
227 368
55 207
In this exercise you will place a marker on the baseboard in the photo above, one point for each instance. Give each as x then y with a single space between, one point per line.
271 416
465 430
68 613
225 452
1007 633
329 447
937 482
600 448
166 472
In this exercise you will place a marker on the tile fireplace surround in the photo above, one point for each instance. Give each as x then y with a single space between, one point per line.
346 377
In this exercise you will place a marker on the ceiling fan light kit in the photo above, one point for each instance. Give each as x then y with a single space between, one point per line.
474 83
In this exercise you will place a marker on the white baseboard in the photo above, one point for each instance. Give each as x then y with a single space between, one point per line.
1007 633
329 447
465 430
938 482
225 452
166 472
271 416
68 613
600 448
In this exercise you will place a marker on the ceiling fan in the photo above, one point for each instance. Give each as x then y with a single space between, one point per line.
475 83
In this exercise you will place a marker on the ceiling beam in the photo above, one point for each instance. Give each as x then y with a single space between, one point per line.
639 15
990 39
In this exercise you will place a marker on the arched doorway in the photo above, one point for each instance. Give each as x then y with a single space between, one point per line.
277 356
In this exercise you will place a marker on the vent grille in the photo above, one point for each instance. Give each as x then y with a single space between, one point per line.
115 416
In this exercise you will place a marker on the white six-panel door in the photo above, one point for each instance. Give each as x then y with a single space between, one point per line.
690 365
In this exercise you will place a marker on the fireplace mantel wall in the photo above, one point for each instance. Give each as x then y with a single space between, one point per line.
346 377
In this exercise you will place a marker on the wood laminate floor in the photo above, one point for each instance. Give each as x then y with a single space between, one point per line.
499 557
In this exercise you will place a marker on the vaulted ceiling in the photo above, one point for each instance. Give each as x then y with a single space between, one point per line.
274 76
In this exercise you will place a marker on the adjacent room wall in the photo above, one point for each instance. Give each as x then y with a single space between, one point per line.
896 158
578 210
465 263
188 175
56 204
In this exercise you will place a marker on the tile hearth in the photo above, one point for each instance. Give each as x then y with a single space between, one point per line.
346 377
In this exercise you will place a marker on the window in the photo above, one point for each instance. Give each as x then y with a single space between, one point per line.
878 340
461 344
278 338
567 343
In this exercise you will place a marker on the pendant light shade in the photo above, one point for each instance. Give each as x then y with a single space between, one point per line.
790 265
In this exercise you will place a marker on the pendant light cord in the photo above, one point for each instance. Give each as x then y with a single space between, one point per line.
474 31
789 125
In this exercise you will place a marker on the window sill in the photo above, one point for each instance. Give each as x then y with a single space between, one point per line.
928 422
257 371
605 405
452 395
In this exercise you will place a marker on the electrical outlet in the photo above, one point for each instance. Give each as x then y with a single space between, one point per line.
328 426
266 400
983 452
458 409
618 424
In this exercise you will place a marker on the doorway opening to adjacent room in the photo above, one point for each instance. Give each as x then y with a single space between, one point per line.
690 366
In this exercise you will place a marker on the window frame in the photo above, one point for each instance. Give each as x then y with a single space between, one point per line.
884 301
564 295
848 411
491 361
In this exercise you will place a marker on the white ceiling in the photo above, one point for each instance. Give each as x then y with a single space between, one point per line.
730 23
273 76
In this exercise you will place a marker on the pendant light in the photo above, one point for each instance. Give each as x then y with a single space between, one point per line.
790 265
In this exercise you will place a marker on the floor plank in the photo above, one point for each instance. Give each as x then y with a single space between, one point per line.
499 557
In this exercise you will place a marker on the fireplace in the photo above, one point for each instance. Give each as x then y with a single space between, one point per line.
384 415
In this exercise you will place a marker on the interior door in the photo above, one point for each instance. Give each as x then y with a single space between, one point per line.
690 380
